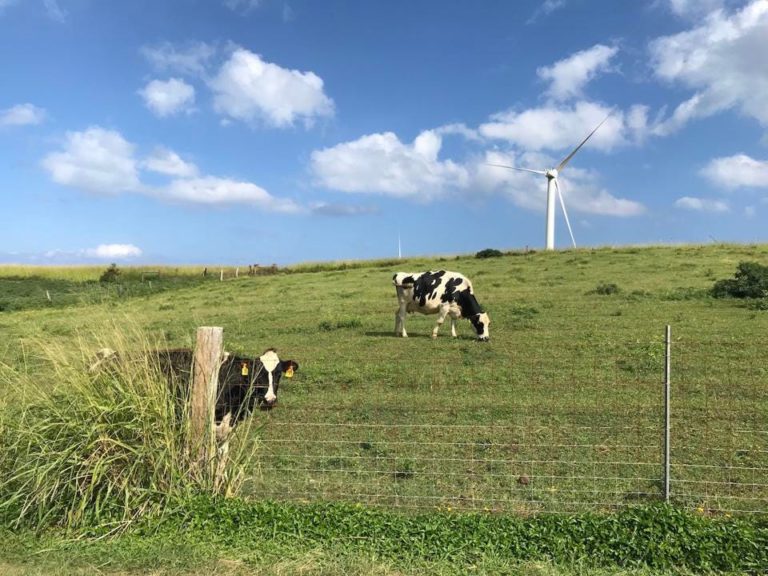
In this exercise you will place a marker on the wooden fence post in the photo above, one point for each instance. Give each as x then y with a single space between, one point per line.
209 348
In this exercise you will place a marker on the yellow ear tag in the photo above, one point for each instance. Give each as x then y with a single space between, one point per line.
289 373
244 370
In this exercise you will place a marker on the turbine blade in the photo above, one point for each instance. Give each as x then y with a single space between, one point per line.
573 153
565 212
542 172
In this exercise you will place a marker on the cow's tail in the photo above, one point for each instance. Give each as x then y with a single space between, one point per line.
408 284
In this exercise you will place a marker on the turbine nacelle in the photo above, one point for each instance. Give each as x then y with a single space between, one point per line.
551 173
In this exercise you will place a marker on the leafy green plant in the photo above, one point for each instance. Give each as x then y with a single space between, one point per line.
660 537
330 325
111 274
489 253
606 289
749 281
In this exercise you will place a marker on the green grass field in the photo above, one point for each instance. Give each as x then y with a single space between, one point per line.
561 411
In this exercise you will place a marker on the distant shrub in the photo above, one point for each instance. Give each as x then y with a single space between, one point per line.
749 281
638 294
330 326
684 293
111 274
606 289
759 304
404 470
266 270
489 253
524 312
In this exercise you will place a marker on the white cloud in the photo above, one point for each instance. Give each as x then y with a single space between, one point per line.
164 161
602 203
340 210
739 171
191 59
718 61
382 164
458 129
250 89
22 115
554 128
114 251
168 98
546 8
103 162
242 5
288 13
694 8
568 77
96 160
211 190
54 11
701 204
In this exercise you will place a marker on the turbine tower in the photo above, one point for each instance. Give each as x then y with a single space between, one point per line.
553 190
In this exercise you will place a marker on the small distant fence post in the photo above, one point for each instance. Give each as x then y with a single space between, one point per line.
667 423
202 435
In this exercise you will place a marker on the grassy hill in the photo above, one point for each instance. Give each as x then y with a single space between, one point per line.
560 411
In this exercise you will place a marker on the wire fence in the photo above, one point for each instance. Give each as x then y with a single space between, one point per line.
553 436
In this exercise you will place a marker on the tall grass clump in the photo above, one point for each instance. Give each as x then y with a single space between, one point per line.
96 446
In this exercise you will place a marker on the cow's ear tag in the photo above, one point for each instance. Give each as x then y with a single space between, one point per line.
244 369
289 373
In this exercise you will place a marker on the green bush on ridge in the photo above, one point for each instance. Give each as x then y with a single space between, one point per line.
749 281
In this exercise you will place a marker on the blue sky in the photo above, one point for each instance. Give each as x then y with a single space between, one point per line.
285 131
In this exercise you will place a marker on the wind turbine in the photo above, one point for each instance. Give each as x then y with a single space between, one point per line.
553 189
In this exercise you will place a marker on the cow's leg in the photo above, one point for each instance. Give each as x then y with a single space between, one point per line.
453 325
441 314
400 320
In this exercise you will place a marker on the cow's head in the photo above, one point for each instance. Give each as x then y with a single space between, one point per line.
267 380
481 324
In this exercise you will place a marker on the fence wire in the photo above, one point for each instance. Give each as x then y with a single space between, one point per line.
551 436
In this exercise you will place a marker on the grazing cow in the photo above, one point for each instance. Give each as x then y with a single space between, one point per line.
442 292
244 383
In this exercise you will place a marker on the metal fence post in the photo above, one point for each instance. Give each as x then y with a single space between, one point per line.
667 424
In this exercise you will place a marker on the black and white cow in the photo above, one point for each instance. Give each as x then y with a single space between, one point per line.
245 383
439 292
